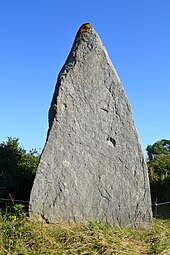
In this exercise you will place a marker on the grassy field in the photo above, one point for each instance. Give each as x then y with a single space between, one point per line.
19 235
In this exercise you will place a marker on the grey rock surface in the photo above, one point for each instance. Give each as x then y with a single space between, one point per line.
92 166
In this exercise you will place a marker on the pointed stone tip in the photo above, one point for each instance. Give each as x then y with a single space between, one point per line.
85 28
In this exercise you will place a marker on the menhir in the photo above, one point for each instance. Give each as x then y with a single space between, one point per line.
92 166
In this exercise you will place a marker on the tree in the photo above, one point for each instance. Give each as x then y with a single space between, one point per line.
159 170
17 169
160 147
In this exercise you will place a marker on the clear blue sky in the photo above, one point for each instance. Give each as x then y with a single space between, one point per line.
36 37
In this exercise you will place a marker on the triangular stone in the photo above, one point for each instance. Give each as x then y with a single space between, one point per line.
92 166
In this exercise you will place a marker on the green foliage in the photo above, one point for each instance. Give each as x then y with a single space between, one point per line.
19 235
17 169
12 229
159 170
158 148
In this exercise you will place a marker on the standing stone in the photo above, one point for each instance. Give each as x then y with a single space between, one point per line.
92 166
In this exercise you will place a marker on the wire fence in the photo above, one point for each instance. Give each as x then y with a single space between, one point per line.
160 210
12 201
8 203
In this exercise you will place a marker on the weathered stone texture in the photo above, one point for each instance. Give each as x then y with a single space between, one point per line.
92 166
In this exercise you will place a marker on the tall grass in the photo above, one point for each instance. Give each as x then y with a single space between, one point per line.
19 235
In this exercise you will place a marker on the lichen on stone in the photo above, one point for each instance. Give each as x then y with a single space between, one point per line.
84 28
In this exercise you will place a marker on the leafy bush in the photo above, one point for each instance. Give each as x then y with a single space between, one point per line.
159 170
17 170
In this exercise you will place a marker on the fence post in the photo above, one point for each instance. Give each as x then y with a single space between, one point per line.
156 207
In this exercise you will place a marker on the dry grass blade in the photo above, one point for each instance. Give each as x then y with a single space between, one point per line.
19 235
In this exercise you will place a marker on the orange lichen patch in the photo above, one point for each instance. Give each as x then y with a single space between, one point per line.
85 28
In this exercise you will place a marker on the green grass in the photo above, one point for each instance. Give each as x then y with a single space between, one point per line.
19 235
